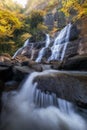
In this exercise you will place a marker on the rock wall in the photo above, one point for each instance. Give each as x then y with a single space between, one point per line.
82 25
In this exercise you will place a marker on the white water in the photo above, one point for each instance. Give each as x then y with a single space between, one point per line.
19 51
60 42
31 109
42 51
66 41
26 43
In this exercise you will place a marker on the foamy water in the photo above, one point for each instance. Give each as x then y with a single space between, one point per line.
22 112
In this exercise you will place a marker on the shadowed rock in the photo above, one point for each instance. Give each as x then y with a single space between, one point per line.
75 63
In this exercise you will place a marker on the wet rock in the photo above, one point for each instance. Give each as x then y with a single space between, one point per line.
75 63
20 72
27 51
19 60
47 53
11 85
46 66
33 65
49 21
82 49
5 64
56 65
74 33
71 86
37 67
34 54
72 49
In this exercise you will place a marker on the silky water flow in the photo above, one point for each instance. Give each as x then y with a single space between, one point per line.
31 109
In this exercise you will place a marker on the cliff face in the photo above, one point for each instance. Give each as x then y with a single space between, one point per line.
83 35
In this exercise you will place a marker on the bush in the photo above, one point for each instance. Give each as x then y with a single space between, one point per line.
36 18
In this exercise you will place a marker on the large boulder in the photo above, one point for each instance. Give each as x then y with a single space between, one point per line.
71 86
78 62
11 85
72 49
20 72
74 32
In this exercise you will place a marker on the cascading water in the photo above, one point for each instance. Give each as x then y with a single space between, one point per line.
31 109
60 42
26 43
19 51
42 51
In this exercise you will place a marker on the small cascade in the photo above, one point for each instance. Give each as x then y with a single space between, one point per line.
44 100
42 51
47 40
66 42
60 44
31 109
19 51
26 43
65 106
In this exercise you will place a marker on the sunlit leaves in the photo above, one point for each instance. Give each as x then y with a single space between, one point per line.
8 23
80 6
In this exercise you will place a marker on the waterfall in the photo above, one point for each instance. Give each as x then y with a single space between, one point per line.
31 109
26 43
42 51
66 41
19 51
60 42
47 40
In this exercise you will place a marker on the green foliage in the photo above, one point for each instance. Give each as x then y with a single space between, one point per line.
25 36
6 48
36 18
34 24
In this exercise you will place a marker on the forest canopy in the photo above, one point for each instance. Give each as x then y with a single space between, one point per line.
18 23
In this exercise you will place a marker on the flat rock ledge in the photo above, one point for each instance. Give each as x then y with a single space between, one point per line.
71 86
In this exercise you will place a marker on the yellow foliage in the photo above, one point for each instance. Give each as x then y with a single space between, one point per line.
25 36
42 27
78 6
8 23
